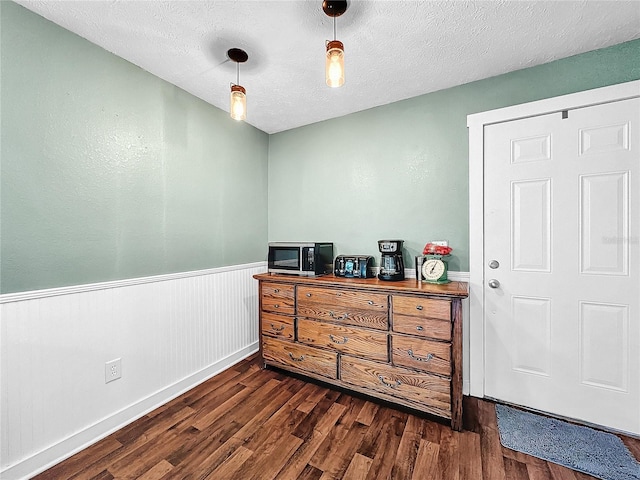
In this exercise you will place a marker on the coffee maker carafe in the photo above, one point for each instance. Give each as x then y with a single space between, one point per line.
391 263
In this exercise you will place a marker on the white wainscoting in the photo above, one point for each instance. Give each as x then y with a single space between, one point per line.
172 332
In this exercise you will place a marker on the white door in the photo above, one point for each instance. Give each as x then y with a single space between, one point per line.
562 223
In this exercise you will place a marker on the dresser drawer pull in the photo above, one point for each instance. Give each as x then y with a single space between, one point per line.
370 302
340 342
276 306
308 294
420 359
296 359
276 290
387 384
420 328
338 317
418 307
276 329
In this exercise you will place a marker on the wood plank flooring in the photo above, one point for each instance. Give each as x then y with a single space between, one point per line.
248 423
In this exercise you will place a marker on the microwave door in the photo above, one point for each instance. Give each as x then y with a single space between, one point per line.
284 258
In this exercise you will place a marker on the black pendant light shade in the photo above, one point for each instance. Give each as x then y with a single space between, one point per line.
334 8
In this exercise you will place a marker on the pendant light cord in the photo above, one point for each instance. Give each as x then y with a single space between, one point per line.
237 73
334 27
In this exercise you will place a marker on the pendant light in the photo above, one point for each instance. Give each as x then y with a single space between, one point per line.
334 66
238 98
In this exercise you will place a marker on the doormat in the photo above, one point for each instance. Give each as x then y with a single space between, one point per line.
602 455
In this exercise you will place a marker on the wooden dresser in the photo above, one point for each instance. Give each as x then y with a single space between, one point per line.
397 341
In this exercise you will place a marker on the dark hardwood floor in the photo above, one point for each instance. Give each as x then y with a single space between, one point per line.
249 423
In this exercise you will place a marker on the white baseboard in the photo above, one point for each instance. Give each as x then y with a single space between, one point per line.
73 444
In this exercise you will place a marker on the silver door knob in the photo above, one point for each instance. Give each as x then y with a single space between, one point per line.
494 264
493 283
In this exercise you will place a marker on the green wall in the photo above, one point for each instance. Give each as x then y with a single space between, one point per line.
108 172
401 170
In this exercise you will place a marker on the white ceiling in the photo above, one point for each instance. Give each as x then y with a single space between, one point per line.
393 49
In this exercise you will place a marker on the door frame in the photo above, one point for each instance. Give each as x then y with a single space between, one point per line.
476 123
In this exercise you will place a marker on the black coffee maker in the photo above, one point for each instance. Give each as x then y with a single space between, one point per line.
391 263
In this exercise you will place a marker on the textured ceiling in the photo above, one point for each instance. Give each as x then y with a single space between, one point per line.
393 49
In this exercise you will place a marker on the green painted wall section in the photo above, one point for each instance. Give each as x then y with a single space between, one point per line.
108 172
401 170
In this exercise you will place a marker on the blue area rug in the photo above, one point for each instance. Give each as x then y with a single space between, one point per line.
602 455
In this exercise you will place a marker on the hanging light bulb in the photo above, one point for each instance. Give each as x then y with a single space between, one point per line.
238 97
334 63
238 109
334 67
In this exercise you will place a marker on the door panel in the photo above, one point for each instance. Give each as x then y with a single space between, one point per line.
531 335
604 351
530 225
604 204
562 210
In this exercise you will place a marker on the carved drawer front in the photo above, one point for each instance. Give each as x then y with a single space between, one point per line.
300 357
277 326
422 307
434 357
426 392
347 307
278 297
344 339
422 316
423 327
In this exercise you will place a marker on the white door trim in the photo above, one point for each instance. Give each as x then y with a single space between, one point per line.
476 124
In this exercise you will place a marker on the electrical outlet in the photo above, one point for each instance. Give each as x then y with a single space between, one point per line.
112 370
442 243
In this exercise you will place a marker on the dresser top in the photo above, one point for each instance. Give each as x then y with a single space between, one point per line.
411 285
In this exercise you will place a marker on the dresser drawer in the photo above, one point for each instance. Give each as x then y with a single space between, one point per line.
345 339
344 306
278 297
421 307
425 392
421 354
357 318
422 327
344 298
278 326
300 357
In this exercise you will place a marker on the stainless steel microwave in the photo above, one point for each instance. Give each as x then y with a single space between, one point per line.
300 258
